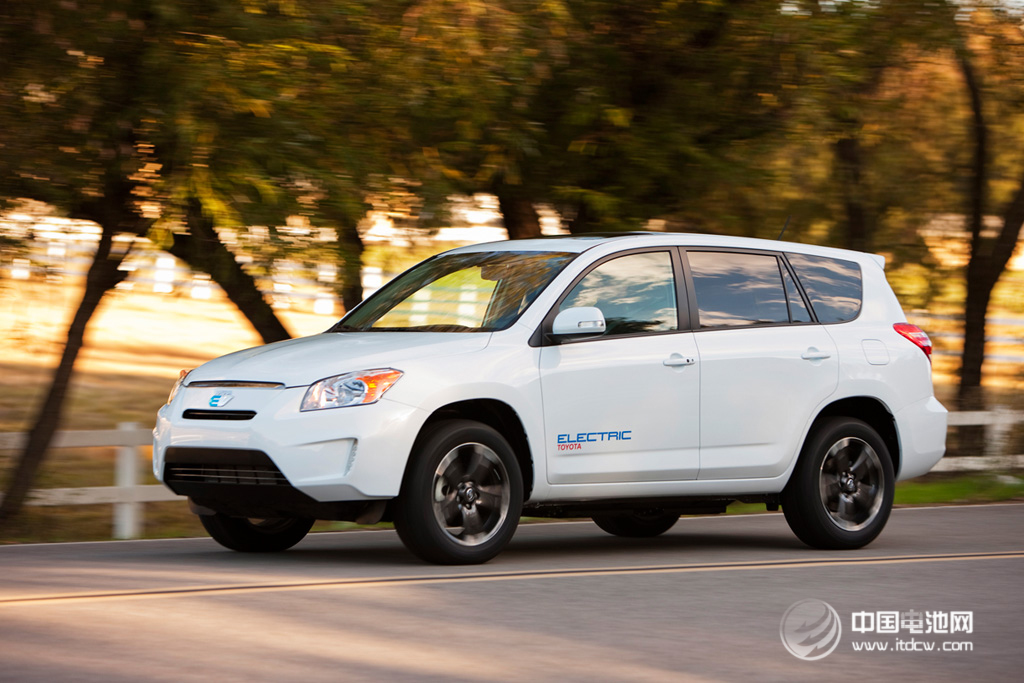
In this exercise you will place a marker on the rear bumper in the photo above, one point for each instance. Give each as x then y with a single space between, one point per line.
922 432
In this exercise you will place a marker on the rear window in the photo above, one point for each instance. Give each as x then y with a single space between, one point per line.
833 286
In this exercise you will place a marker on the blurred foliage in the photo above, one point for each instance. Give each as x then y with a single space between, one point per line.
849 120
714 116
181 99
615 113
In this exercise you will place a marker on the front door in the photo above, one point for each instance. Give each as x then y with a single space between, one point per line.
624 407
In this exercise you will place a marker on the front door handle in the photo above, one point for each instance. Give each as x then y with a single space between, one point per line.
675 361
814 354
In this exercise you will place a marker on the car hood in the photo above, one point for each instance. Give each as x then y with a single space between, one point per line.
300 362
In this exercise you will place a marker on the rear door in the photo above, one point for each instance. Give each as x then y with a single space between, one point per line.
766 365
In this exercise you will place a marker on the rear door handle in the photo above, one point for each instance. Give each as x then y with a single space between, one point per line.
675 361
814 354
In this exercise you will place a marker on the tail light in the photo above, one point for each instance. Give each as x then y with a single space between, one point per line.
916 335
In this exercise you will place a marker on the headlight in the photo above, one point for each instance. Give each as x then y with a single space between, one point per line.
351 389
178 384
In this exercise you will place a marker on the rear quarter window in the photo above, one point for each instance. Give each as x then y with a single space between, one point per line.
833 285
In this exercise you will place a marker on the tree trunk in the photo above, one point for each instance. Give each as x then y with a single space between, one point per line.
350 253
979 267
989 258
103 276
202 250
517 212
581 223
850 165
970 395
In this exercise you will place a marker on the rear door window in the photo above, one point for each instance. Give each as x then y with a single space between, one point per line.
737 289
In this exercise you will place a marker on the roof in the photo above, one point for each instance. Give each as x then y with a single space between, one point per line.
626 240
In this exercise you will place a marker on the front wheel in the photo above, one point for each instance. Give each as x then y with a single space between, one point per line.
841 492
256 535
461 496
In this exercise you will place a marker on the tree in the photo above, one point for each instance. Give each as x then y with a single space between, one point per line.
856 48
999 35
661 107
615 113
465 77
201 248
159 117
102 190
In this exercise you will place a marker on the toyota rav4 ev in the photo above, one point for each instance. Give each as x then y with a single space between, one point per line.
628 378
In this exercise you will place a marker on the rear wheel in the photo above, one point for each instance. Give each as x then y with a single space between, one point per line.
462 495
256 535
841 492
636 524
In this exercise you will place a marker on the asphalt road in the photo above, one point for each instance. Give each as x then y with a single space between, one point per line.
564 602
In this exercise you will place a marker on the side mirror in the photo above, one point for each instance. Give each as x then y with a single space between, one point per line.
583 321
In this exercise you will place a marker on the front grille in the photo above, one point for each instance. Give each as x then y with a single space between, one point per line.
248 475
193 414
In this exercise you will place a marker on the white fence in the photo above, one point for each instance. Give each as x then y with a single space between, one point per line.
127 495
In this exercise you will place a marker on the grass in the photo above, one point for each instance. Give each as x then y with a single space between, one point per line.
941 488
957 489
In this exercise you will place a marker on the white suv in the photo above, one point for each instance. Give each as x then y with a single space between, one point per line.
631 378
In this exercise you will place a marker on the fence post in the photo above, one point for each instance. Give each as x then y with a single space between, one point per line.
998 432
128 512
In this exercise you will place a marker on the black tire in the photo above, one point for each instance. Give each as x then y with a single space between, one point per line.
840 494
256 535
636 524
462 494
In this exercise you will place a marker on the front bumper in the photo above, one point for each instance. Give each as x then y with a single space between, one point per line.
356 453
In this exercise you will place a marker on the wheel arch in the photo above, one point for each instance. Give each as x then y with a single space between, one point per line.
871 411
498 415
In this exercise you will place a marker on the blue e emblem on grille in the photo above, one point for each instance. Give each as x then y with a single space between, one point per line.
221 399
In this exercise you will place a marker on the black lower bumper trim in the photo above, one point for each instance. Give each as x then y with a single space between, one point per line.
245 483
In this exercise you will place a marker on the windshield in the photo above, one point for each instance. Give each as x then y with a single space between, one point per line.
476 292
